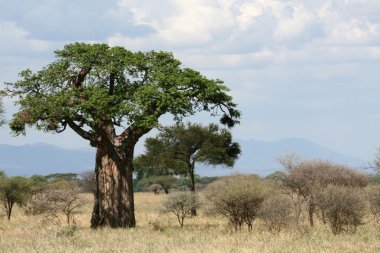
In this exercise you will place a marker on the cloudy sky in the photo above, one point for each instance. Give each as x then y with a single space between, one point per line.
297 68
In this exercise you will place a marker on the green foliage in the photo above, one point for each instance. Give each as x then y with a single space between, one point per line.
181 204
238 198
14 190
177 148
276 176
374 179
90 86
185 182
62 176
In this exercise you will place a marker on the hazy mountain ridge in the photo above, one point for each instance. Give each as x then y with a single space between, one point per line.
257 157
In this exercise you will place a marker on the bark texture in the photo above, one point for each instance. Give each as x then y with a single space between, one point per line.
113 200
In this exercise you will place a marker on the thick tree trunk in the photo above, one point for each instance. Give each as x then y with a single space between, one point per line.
113 202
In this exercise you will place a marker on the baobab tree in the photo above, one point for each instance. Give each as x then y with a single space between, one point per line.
111 97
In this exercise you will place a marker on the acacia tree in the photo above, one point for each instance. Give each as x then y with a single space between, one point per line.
111 97
182 146
13 190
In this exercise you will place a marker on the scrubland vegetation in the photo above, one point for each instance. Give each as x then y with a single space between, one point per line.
315 206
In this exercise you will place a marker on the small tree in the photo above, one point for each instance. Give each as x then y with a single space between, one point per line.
181 204
60 197
276 211
14 190
181 146
343 207
238 198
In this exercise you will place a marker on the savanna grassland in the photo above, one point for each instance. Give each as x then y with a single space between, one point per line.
160 232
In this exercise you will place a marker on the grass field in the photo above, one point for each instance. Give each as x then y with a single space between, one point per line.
160 232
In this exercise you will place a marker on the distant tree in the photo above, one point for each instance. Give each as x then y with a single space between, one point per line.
149 166
111 97
166 182
62 176
14 190
155 188
182 146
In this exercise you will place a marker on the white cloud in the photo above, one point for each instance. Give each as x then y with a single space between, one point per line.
290 64
17 41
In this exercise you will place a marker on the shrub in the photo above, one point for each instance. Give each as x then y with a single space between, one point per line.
238 198
373 196
59 197
13 190
276 211
343 207
181 204
166 182
307 178
155 188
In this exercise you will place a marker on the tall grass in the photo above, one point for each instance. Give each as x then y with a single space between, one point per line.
160 232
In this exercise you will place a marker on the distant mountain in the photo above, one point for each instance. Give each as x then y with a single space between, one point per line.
259 157
43 159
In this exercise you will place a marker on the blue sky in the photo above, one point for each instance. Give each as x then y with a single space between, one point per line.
307 69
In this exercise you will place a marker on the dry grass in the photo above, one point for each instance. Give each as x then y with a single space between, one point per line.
159 232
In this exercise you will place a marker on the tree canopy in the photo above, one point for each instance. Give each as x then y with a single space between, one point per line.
13 190
96 88
178 148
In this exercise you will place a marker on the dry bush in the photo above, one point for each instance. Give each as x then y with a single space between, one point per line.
373 197
155 188
276 211
181 204
58 198
238 198
306 178
343 207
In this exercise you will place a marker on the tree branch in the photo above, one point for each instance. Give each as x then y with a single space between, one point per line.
84 134
78 80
